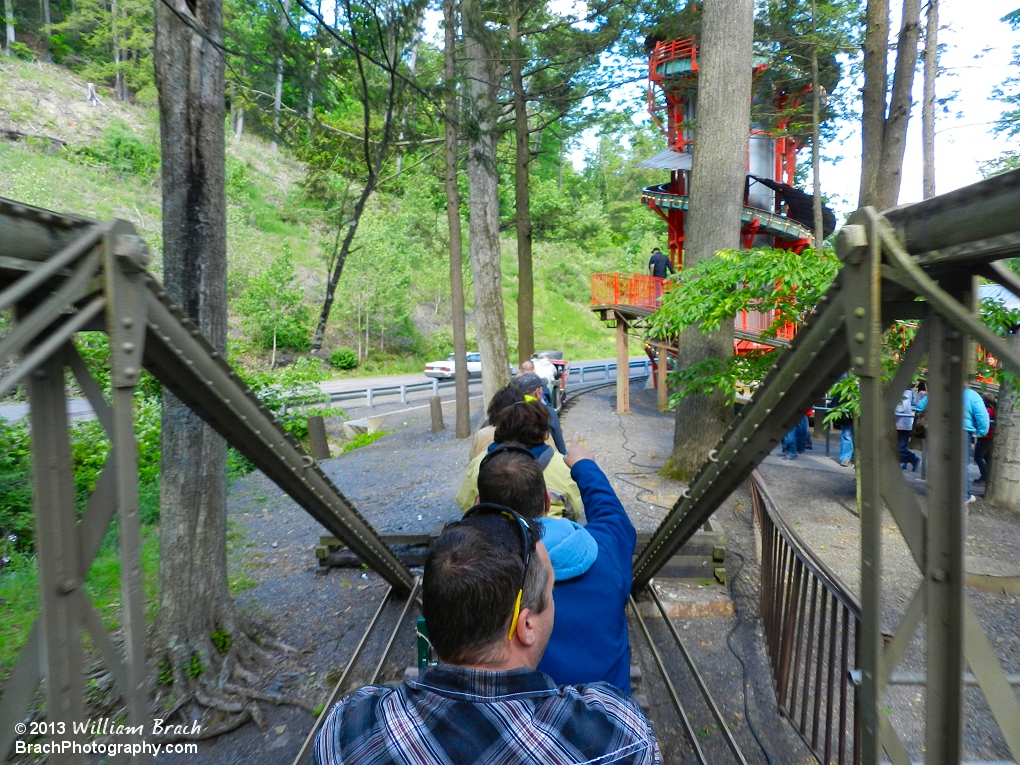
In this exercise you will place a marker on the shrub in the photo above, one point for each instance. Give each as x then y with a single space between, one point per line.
122 151
344 358
23 52
272 308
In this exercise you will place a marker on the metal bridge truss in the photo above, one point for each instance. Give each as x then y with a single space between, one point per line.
62 275
921 263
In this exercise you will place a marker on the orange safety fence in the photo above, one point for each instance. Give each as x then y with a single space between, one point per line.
674 49
756 322
632 290
645 292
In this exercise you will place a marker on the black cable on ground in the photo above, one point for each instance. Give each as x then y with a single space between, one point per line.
644 469
743 666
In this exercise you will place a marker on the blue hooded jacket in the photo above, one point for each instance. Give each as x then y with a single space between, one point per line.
593 566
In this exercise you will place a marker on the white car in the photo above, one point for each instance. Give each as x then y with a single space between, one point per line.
447 368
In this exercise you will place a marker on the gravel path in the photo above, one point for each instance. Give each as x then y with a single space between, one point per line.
406 482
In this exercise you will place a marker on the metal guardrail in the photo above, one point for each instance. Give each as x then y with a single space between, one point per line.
587 374
810 622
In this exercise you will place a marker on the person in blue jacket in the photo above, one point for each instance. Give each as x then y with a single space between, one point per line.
592 563
975 423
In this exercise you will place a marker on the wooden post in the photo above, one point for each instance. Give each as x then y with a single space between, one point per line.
317 437
661 364
436 406
622 367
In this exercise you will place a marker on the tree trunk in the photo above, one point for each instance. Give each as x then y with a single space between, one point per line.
453 221
341 259
47 27
9 19
193 598
816 118
876 45
717 194
118 77
522 199
239 125
1003 489
278 93
931 66
894 135
483 199
314 75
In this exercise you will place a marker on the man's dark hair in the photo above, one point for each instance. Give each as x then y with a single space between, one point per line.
655 250
525 423
472 575
515 480
501 399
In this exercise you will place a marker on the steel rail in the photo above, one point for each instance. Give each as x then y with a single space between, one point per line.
730 741
331 699
975 217
396 628
681 712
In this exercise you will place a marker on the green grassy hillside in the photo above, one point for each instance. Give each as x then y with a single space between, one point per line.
108 166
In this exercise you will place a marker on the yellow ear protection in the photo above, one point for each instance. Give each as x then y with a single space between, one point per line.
527 539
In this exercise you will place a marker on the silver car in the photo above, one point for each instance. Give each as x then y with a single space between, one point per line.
447 368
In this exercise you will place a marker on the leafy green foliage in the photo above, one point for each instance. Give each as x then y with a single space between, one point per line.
16 518
363 439
195 667
708 295
273 309
84 34
289 393
344 358
121 151
221 640
22 51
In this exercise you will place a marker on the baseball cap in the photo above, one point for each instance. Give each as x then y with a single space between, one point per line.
528 382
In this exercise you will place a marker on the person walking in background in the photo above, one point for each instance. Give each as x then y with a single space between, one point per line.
845 423
983 447
975 424
904 427
797 440
659 264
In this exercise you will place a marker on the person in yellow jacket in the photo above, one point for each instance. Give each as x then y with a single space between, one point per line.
527 423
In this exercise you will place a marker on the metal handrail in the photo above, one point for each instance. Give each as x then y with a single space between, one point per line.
810 622
581 374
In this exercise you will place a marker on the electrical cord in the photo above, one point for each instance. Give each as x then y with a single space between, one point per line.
743 666
644 469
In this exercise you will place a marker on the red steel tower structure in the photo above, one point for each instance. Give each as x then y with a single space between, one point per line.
775 213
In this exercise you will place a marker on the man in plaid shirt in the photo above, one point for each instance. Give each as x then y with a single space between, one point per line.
487 600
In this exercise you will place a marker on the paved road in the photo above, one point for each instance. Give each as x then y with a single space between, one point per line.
79 408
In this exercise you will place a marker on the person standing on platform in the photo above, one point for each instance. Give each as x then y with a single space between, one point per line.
659 265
